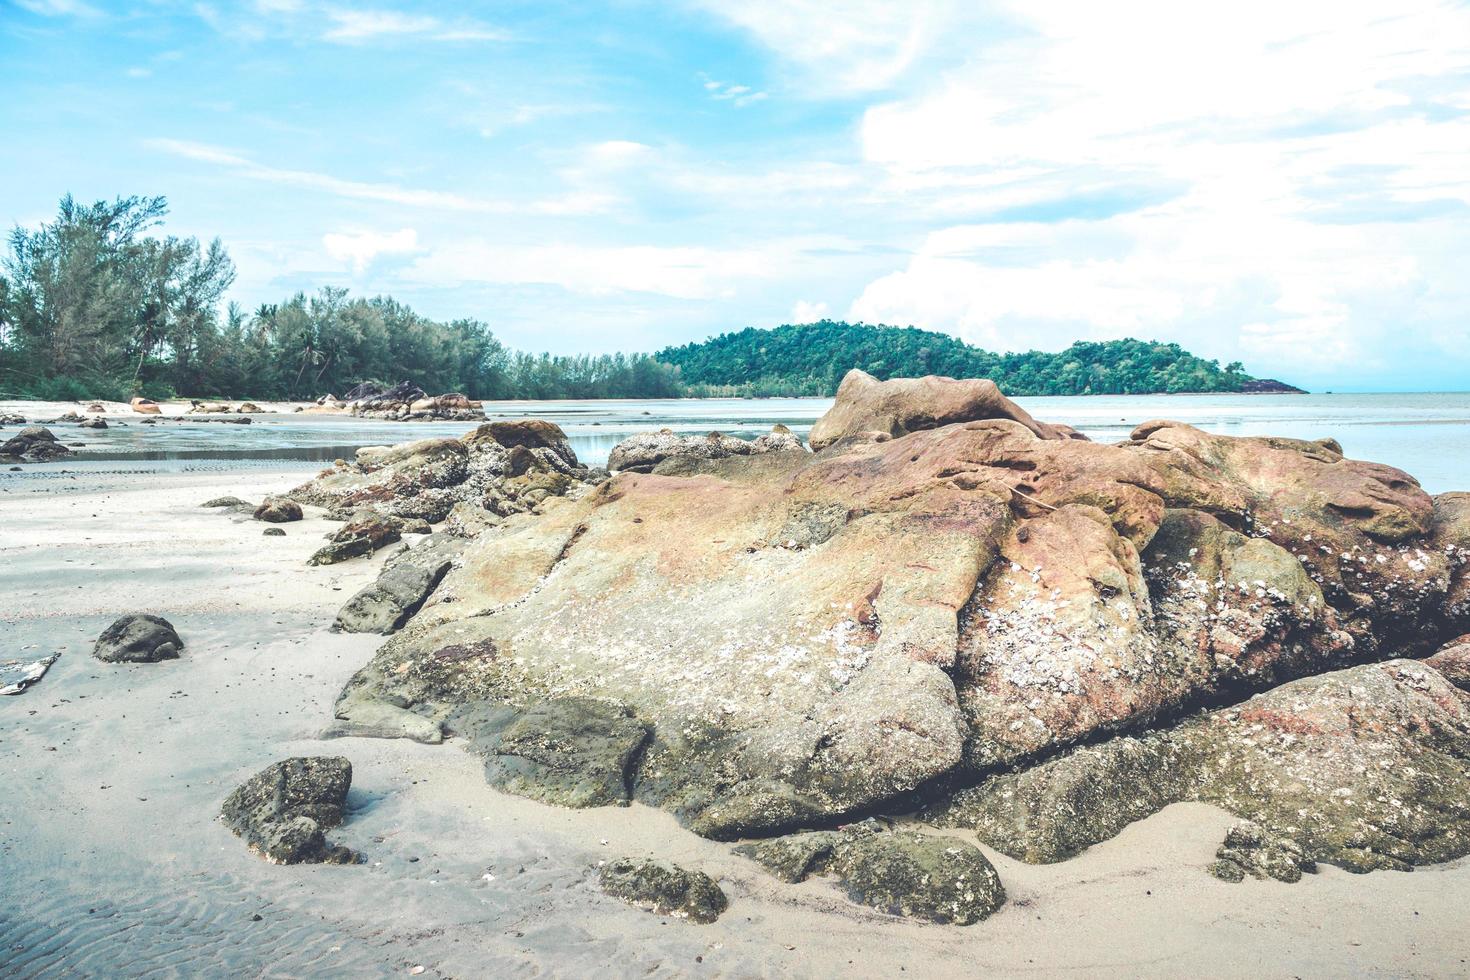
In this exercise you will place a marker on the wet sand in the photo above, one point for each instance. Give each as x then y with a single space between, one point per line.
114 864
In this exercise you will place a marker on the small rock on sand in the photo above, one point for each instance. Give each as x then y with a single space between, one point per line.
282 811
663 888
138 639
278 510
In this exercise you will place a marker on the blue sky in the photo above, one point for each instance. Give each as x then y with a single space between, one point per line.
1283 184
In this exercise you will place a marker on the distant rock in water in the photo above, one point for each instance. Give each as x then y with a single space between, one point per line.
283 810
946 596
138 639
1269 386
33 444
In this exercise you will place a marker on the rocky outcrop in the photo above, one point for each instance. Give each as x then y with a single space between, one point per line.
871 409
33 444
643 452
283 811
502 468
406 401
1364 768
1269 386
810 636
938 879
407 579
664 889
138 639
278 510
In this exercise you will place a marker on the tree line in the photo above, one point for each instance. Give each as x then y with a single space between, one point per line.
97 304
810 359
94 305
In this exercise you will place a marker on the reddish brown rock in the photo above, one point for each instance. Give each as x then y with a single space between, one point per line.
145 406
871 408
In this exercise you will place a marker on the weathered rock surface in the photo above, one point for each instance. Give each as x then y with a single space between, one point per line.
501 467
273 532
664 889
139 639
1250 850
229 502
406 580
145 406
810 636
1453 662
33 444
11 418
340 551
575 752
92 423
939 879
283 811
1363 768
643 452
278 510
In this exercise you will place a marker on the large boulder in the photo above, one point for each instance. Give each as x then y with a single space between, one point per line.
811 636
138 639
145 406
869 408
283 810
1364 768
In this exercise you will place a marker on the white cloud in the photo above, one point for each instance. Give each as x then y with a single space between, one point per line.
738 95
844 45
358 26
359 249
679 271
386 193
1298 168
59 8
807 312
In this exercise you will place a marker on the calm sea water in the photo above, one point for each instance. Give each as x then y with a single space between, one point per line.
1427 435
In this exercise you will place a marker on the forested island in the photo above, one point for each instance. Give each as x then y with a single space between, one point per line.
97 304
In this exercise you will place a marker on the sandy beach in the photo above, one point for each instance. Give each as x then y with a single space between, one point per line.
115 864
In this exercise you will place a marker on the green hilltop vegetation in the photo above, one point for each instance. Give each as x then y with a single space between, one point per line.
810 359
97 304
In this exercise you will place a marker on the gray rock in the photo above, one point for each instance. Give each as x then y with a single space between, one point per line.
663 888
922 876
340 551
273 532
278 510
228 502
407 579
93 423
138 639
283 811
576 752
1249 849
34 443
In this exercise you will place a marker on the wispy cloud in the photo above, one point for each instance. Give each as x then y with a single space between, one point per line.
59 8
360 190
740 95
361 26
387 193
